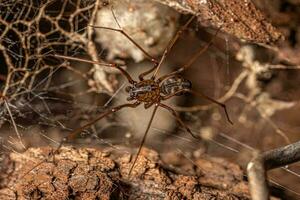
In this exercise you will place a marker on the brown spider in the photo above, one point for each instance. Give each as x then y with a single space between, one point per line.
151 91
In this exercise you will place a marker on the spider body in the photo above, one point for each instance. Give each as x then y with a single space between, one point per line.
147 91
174 84
151 91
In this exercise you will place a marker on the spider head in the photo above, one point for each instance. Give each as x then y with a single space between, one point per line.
130 90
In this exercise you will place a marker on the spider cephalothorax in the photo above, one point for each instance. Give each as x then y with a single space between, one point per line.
146 91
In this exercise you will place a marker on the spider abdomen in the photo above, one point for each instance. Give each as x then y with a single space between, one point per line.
175 84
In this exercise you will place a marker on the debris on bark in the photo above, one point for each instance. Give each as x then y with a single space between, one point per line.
88 173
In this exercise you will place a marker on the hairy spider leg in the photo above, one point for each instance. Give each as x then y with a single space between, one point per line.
171 44
74 133
177 117
144 138
112 110
200 94
120 30
142 75
192 59
113 65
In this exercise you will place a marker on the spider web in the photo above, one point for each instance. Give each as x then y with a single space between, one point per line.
43 94
31 79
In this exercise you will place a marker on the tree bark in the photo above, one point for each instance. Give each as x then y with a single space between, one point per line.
88 173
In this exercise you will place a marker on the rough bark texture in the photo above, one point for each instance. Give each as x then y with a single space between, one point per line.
235 17
94 174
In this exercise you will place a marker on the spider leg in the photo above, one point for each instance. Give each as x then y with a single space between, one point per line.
73 134
200 94
142 75
125 74
196 93
192 59
171 44
106 113
77 131
174 94
144 138
148 105
152 59
120 30
177 117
